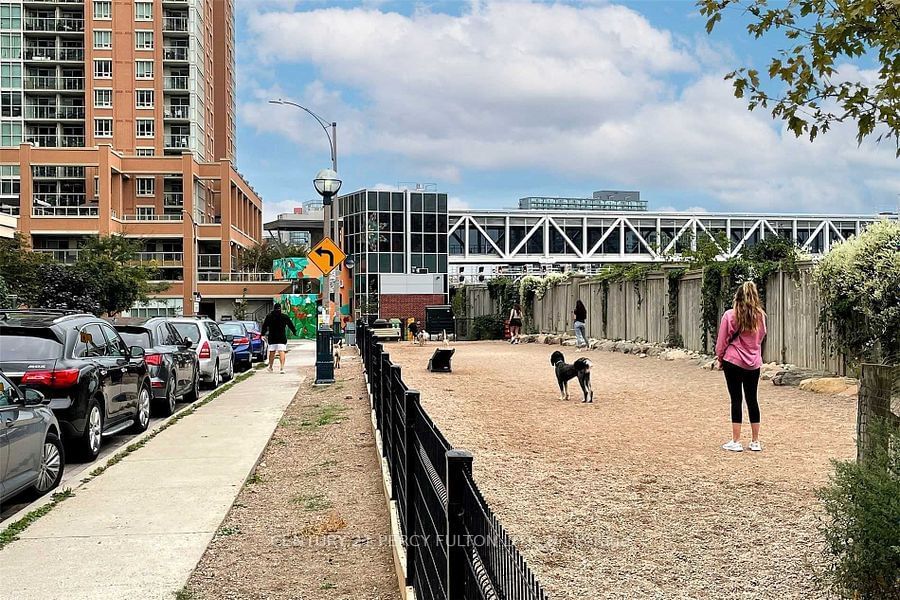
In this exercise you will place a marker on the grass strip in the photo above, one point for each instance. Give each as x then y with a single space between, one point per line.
11 532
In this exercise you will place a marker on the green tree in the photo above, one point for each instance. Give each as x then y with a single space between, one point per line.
108 266
806 87
22 270
66 288
259 258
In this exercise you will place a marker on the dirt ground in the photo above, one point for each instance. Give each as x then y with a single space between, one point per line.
632 497
312 523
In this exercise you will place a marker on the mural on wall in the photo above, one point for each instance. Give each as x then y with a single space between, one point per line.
301 309
289 268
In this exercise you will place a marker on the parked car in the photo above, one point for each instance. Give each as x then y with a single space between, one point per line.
173 365
259 346
96 385
236 333
207 340
29 439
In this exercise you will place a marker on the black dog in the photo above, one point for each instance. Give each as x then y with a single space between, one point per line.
564 372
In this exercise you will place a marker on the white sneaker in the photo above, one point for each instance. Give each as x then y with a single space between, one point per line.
270 370
733 446
282 371
756 446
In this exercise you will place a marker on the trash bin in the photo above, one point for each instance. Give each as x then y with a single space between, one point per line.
350 334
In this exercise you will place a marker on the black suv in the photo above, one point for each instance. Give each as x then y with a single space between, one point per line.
97 386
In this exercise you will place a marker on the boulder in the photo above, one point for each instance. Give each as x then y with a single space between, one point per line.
626 347
795 376
551 339
529 339
608 346
642 355
541 339
709 365
594 344
568 342
676 354
828 385
655 351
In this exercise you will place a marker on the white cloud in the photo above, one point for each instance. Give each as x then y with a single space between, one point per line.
588 90
457 203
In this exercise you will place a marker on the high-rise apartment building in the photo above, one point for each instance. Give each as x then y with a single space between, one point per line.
118 116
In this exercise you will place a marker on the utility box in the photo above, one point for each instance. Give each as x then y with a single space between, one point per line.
439 319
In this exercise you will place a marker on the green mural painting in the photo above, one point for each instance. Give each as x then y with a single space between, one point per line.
301 308
289 268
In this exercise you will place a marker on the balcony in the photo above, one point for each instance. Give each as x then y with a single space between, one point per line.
215 277
173 199
53 83
176 83
8 209
182 112
56 141
64 255
56 113
54 1
54 54
65 211
175 53
161 259
151 217
57 172
209 261
175 24
57 25
178 142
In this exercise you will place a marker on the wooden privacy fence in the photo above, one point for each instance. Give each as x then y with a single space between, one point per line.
456 548
879 398
641 310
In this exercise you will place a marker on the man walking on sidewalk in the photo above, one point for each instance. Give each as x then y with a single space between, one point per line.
274 328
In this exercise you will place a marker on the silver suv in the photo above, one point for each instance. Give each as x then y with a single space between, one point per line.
213 350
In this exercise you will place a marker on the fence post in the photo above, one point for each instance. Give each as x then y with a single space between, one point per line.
459 463
411 412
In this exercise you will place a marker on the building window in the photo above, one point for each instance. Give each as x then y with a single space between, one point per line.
10 104
102 39
143 69
145 151
102 98
102 68
143 40
143 98
103 128
103 10
11 75
10 134
143 11
11 16
10 45
96 186
145 212
146 186
145 128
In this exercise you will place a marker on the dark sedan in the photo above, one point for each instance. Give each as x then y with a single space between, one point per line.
173 364
259 347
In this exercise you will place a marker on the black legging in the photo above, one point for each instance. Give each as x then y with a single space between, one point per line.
737 378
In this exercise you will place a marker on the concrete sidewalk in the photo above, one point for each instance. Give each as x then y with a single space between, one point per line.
138 530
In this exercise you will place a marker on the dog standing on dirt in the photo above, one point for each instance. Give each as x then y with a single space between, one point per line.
565 372
337 358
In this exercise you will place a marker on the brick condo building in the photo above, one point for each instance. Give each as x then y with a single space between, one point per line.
118 117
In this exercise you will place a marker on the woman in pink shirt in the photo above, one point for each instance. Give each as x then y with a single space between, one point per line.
739 350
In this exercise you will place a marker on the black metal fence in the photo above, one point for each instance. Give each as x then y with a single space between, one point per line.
455 546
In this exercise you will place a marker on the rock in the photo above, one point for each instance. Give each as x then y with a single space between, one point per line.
676 354
709 365
642 355
594 344
530 339
827 385
552 339
541 339
568 342
795 376
655 351
626 347
850 392
608 346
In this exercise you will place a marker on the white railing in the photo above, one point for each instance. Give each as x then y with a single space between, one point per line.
35 53
54 112
209 261
214 277
178 141
151 217
56 141
179 53
161 258
175 24
63 255
173 199
63 24
176 82
65 211
177 112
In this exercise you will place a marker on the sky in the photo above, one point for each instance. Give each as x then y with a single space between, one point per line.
493 101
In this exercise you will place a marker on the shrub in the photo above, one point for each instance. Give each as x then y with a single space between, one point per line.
860 285
487 327
862 524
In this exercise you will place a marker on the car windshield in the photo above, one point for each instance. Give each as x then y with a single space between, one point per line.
188 330
232 329
251 325
17 347
137 337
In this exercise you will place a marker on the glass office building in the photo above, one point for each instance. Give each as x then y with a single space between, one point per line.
601 200
392 233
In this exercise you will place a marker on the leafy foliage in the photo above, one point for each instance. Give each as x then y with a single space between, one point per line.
108 269
459 303
862 523
505 291
823 33
673 278
859 281
22 270
487 327
6 298
259 259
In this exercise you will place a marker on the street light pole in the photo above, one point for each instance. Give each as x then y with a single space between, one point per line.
195 285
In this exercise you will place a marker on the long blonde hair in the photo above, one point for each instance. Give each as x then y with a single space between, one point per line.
748 310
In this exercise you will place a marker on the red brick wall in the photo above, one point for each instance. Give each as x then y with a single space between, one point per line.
404 306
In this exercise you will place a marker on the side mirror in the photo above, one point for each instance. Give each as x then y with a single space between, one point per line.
136 352
33 397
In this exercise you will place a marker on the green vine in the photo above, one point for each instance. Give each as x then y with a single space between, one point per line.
505 291
528 287
673 276
460 303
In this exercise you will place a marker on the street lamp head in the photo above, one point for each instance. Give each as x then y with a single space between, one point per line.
327 184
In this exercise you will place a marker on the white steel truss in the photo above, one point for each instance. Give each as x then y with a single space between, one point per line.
521 237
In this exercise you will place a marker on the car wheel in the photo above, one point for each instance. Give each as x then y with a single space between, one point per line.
167 404
91 438
142 418
53 461
229 374
194 392
217 377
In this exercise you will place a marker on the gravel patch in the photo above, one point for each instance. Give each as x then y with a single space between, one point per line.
631 497
312 521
